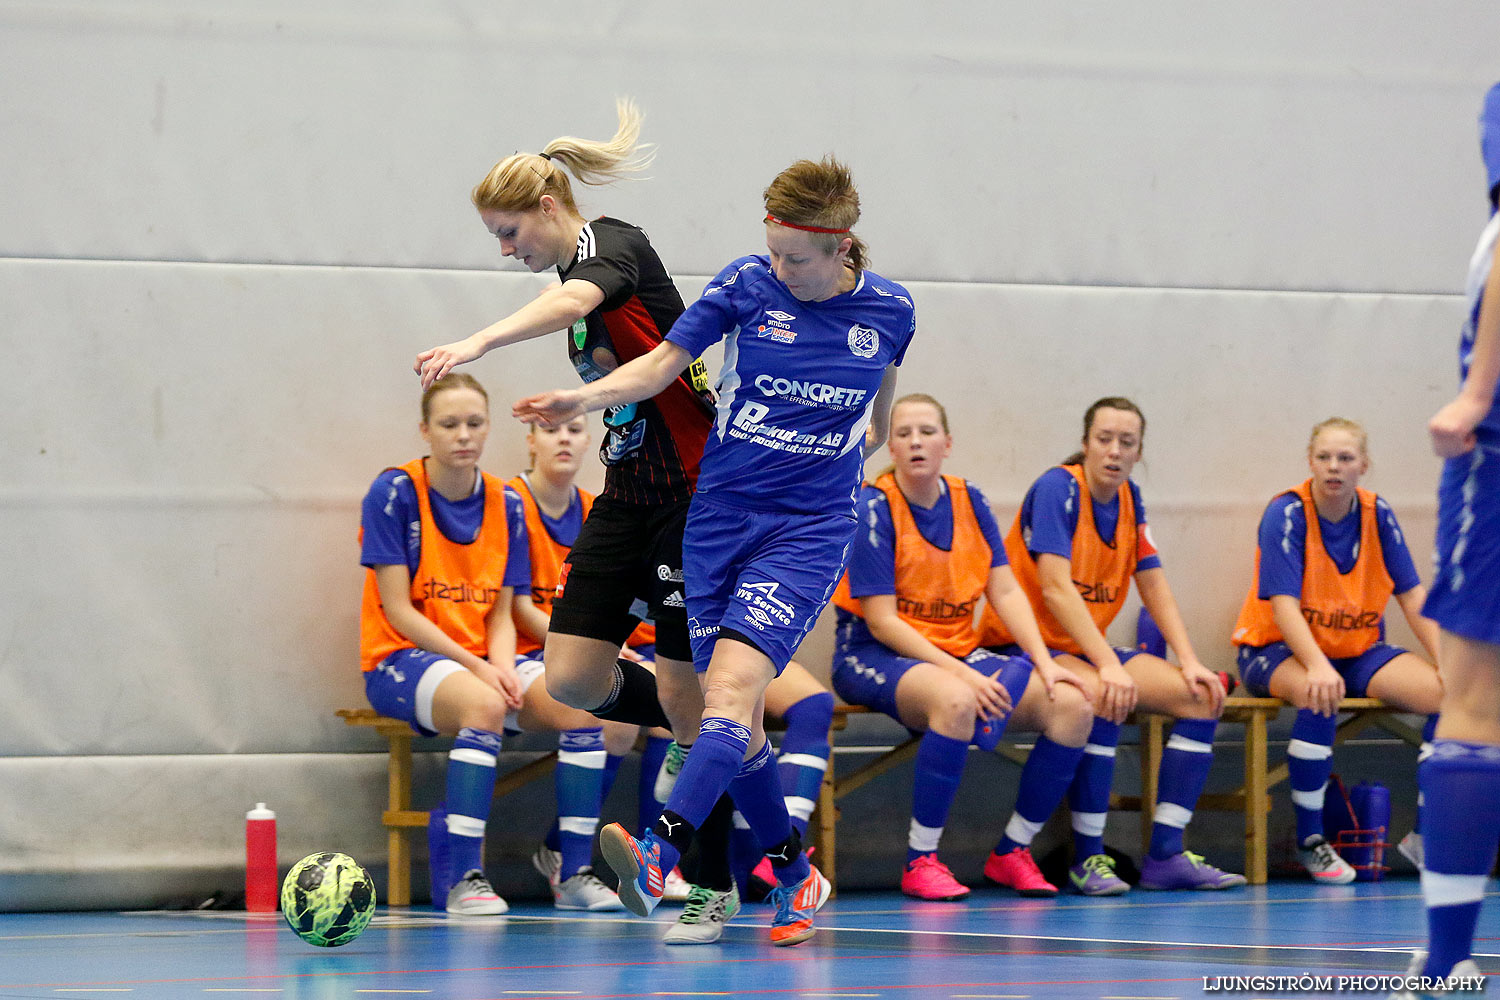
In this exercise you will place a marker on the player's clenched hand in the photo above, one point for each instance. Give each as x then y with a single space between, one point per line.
1117 693
503 678
1452 427
435 362
549 408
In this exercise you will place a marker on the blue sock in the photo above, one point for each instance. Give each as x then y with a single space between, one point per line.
611 772
1179 782
706 773
647 807
804 756
744 852
1461 783
1309 758
578 780
940 768
757 794
1044 781
471 786
1429 729
1088 795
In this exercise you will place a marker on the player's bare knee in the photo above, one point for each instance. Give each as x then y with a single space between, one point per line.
1071 717
487 713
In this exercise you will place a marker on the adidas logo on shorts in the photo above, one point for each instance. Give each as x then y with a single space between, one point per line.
673 600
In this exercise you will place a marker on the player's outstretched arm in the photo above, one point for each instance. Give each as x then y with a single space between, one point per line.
557 308
640 379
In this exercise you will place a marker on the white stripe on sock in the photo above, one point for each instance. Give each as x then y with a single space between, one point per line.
1021 830
468 755
1451 890
1098 751
1172 814
1303 750
1310 800
923 838
798 807
583 825
1189 746
811 760
594 760
1089 824
465 826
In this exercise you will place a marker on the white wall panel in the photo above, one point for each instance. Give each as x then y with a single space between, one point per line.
225 230
1251 144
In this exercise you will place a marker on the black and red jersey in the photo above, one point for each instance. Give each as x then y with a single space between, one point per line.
650 449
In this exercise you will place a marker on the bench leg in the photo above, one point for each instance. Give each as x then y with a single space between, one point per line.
1257 798
824 823
1151 728
398 883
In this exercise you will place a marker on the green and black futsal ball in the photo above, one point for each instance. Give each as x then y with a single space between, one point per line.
328 899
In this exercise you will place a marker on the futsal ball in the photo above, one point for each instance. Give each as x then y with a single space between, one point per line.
328 899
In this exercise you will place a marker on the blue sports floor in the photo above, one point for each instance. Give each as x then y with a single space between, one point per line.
1144 946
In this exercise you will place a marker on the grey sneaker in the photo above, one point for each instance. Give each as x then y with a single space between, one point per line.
704 916
671 767
473 896
1411 849
548 864
1323 862
584 891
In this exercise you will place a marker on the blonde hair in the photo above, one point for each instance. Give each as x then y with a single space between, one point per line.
517 183
1341 424
819 194
452 380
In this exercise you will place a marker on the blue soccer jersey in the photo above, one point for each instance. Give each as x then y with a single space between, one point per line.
797 387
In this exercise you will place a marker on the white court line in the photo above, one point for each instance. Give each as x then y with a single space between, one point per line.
990 996
393 991
92 989
240 989
990 935
550 993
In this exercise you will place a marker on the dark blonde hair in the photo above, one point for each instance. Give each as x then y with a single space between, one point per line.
915 397
1107 403
922 397
1341 424
819 194
517 183
452 380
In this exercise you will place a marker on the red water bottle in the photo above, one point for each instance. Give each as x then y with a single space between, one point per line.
260 860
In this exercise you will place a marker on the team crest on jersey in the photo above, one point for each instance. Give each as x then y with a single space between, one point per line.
863 341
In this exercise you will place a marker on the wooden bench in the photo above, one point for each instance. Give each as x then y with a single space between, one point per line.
399 818
1253 797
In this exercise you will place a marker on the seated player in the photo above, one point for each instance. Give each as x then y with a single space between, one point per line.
1076 543
1312 628
926 550
437 640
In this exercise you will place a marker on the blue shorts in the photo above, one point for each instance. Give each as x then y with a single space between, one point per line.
402 685
1258 663
763 576
866 671
1465 594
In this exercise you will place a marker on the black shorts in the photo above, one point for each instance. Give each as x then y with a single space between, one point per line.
626 564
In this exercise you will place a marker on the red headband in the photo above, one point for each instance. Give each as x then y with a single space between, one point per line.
805 229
